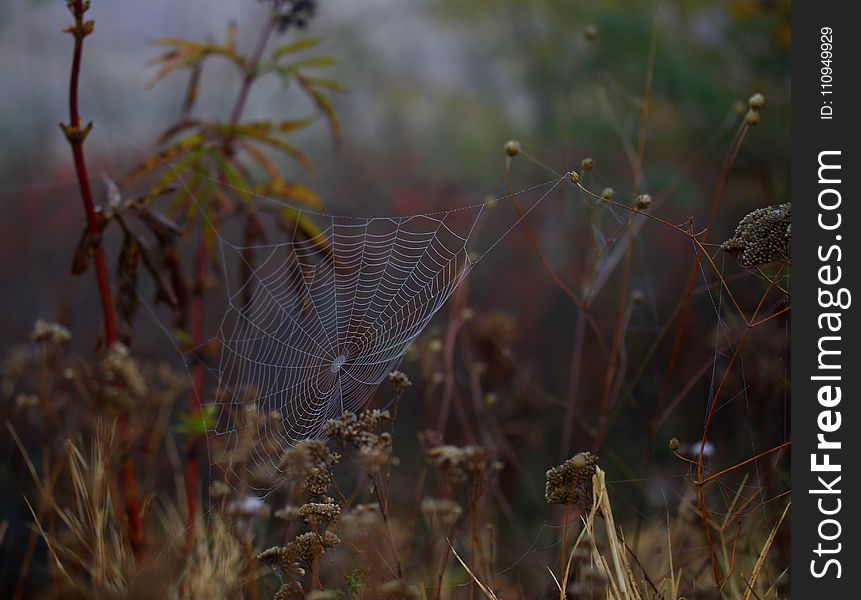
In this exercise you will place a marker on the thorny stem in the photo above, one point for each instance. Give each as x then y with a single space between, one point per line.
76 135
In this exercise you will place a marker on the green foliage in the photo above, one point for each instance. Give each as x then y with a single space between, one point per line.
197 424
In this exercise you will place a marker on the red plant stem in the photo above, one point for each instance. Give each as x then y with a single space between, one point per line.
192 475
76 136
192 459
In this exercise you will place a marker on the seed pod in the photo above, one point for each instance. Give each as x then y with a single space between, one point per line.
752 117
587 164
642 202
756 101
512 148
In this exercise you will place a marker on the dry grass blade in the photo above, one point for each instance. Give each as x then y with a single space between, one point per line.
487 592
759 561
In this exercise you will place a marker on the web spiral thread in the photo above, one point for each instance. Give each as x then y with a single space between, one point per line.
320 322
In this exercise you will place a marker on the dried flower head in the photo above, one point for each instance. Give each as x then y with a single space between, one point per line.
362 432
292 13
218 490
752 117
399 380
587 164
397 589
309 464
323 595
315 514
571 482
637 297
52 333
310 545
290 591
442 511
756 101
289 513
763 236
459 464
607 193
642 201
574 176
512 148
674 444
118 367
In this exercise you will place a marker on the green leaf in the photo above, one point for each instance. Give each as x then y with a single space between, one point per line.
289 149
176 171
182 337
297 46
328 84
296 192
233 177
308 63
197 424
323 104
294 124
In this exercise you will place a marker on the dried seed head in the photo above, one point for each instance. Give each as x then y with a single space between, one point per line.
512 148
591 32
642 202
315 514
399 380
397 589
637 297
607 193
219 490
27 401
443 511
118 367
571 482
53 333
587 164
458 464
674 444
739 107
574 176
763 236
752 117
323 595
756 101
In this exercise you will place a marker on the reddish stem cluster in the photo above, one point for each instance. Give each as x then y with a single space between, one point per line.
76 135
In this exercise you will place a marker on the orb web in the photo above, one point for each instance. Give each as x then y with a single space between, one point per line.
317 323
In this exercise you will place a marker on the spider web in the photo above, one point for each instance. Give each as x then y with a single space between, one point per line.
319 322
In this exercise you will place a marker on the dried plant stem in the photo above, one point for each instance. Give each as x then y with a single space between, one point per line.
621 321
251 70
76 134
